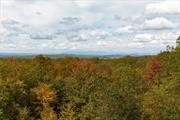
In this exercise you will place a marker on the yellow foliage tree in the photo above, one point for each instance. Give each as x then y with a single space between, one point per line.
44 93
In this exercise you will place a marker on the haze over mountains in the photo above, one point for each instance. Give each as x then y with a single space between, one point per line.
71 54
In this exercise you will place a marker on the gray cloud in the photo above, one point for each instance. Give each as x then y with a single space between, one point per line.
9 22
80 33
14 28
117 17
69 20
41 36
38 13
76 38
86 34
13 25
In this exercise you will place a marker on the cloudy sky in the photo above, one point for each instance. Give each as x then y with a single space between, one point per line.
88 26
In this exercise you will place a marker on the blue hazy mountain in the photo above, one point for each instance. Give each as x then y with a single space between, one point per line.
74 54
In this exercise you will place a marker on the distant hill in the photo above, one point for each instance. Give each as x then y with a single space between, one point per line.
14 54
81 55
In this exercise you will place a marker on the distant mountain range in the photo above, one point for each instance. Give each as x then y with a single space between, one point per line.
81 54
15 54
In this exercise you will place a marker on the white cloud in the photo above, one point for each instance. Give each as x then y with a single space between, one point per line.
164 7
99 33
125 29
157 39
87 35
3 32
84 3
158 23
143 37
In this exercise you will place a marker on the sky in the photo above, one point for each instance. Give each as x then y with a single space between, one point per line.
88 26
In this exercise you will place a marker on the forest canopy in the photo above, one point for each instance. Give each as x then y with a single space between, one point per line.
128 88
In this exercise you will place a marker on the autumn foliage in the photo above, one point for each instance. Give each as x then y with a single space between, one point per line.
154 68
128 88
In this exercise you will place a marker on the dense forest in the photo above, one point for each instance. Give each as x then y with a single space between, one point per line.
70 88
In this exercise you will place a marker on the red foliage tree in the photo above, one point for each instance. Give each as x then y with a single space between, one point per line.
154 67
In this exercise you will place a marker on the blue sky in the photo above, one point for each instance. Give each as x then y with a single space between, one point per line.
88 26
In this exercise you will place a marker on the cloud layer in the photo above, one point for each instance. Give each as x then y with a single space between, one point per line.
74 25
